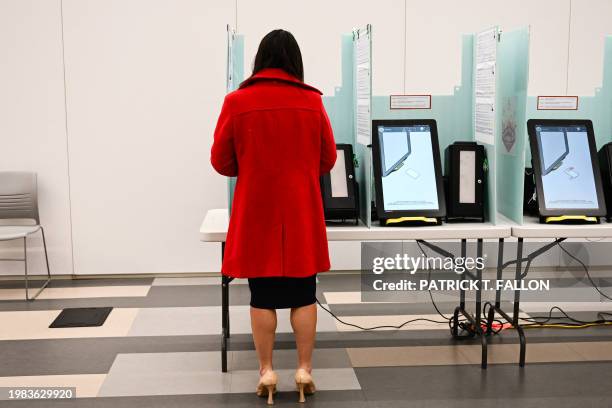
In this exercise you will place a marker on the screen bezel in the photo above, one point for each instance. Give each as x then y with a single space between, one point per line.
378 169
537 167
348 202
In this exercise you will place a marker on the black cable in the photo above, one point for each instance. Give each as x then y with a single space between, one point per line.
572 321
377 327
586 270
532 321
463 323
497 321
550 317
433 302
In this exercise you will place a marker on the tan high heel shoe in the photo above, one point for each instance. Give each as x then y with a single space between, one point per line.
304 383
267 386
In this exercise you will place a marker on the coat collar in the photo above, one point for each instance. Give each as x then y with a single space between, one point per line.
276 74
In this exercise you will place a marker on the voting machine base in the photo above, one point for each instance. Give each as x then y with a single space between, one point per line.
570 220
410 221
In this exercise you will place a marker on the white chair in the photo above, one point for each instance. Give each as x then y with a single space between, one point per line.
18 203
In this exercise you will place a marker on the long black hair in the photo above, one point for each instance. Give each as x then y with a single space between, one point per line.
279 49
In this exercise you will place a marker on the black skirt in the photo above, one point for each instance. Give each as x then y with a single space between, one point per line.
282 292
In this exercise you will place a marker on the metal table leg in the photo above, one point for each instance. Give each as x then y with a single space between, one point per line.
475 320
520 273
225 318
478 312
461 307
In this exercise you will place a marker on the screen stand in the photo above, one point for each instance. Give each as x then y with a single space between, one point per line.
570 219
410 221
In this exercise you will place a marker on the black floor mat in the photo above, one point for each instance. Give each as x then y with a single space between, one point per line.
82 317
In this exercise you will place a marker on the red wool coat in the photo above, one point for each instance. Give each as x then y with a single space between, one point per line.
274 134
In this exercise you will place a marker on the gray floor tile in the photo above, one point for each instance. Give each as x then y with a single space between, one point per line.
199 373
197 281
186 321
327 399
326 379
70 283
165 374
287 359
498 381
158 296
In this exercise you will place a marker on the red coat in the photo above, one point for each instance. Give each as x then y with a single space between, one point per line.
274 134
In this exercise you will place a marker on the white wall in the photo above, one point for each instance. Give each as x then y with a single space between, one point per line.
145 81
32 122
591 21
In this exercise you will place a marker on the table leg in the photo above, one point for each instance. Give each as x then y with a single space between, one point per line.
224 315
498 277
517 277
517 295
479 279
481 333
461 307
463 255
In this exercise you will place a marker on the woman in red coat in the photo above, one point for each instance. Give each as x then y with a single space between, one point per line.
274 135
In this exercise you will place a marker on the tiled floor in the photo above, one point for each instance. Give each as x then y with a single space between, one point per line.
159 348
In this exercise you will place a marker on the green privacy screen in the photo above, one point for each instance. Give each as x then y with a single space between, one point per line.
512 80
235 75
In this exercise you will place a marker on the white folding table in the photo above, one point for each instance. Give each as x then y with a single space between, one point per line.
532 228
215 225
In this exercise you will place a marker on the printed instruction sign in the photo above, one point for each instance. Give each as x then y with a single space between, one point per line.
410 102
484 87
557 103
363 86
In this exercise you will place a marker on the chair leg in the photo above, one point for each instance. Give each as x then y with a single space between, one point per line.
46 255
47 262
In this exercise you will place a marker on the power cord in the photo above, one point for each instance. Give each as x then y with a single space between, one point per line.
532 322
573 323
586 270
447 320
422 319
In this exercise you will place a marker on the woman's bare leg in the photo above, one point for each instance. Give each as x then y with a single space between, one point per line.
263 324
304 323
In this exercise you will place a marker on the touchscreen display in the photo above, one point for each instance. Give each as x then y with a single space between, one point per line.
568 181
408 172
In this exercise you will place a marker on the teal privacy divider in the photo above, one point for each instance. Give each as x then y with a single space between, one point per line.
339 107
597 107
362 117
512 78
454 118
235 75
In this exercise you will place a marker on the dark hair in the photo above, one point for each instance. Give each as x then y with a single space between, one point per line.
279 49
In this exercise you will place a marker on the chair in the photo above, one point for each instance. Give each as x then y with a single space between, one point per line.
19 202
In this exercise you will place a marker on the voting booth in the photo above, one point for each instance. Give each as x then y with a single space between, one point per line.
344 190
566 134
488 108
